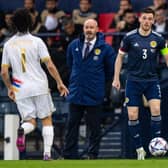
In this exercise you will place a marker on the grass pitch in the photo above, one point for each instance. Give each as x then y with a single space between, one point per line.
118 163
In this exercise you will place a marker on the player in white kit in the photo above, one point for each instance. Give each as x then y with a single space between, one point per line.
29 85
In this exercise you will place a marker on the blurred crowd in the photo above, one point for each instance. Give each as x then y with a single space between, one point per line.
70 25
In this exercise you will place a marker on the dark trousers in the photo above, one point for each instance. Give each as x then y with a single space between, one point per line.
93 124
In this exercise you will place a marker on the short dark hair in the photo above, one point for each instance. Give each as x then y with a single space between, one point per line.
148 10
33 1
162 7
67 20
128 11
10 12
129 1
52 0
22 20
89 1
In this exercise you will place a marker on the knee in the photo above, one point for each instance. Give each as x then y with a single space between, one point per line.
132 115
32 121
47 121
155 110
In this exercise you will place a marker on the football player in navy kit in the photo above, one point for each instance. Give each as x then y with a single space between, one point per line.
142 46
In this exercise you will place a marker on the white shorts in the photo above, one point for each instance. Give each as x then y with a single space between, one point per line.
35 107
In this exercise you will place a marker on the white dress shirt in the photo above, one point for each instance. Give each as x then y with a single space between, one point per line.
92 43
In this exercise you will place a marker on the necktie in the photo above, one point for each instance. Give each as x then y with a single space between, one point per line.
86 52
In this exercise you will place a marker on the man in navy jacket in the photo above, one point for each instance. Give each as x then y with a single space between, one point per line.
91 63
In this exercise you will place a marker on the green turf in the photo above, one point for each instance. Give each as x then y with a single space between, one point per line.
154 163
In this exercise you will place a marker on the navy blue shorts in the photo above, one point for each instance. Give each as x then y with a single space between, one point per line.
135 90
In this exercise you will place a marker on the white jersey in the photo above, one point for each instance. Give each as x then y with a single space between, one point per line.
23 54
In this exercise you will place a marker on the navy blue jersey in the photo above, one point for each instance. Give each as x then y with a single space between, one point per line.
142 54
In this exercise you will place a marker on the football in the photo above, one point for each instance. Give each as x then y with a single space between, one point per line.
158 146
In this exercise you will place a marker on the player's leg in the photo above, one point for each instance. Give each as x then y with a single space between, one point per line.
27 113
25 128
45 107
155 118
48 136
153 95
133 101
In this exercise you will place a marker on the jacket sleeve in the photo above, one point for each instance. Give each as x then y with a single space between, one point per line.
109 62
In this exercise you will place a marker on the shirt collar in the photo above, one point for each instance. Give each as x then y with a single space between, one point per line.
92 42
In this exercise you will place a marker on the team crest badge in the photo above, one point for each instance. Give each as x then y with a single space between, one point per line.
153 44
97 51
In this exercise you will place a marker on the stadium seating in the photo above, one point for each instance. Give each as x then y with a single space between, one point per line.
109 38
104 20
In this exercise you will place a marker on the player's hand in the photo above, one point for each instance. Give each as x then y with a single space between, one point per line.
116 84
120 12
11 94
120 25
63 89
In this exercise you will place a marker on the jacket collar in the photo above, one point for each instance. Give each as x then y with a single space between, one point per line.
100 40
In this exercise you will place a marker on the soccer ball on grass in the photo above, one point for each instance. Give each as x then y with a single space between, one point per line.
158 146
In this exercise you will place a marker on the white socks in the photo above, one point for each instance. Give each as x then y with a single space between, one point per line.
48 136
47 133
28 127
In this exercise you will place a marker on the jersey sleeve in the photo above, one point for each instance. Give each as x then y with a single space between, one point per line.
162 43
124 46
5 57
43 51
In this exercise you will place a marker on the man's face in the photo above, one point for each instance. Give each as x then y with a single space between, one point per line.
69 28
160 16
28 4
158 3
146 20
84 5
90 29
124 5
8 19
50 5
129 18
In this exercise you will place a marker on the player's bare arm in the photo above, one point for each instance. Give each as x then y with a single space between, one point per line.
118 65
6 79
164 52
54 73
166 59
